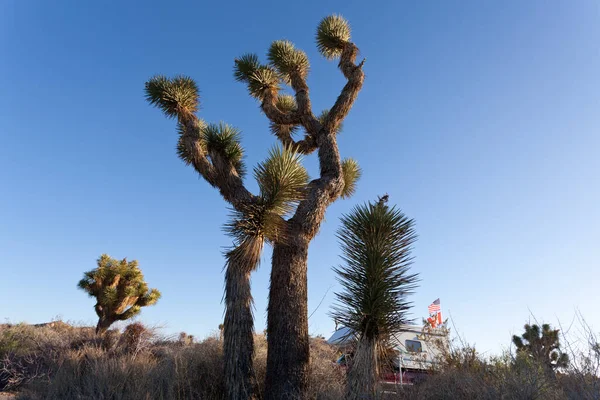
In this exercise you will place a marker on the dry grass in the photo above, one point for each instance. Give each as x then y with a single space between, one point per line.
65 362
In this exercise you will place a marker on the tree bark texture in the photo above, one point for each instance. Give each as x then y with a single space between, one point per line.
363 373
238 334
287 328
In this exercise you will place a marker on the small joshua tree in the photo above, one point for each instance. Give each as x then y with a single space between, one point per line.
542 345
376 242
119 289
287 212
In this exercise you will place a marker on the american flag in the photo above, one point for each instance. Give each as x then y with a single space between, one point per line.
434 307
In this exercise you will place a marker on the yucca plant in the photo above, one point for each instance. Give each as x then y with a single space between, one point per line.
376 243
119 289
288 223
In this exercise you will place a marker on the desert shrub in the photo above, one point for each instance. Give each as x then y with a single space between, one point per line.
138 365
28 353
473 377
327 381
65 362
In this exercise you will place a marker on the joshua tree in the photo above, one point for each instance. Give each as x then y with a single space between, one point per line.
543 346
119 289
217 156
376 242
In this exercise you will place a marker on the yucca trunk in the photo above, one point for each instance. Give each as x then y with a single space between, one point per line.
238 334
364 371
238 328
287 328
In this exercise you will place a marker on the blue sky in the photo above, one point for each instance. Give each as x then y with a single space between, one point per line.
480 119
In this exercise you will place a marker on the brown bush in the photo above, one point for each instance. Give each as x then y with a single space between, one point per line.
73 363
65 362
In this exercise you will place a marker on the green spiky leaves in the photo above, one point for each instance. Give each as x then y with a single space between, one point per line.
351 172
260 78
245 67
287 59
149 298
224 140
376 242
282 179
333 33
286 103
218 140
174 96
249 221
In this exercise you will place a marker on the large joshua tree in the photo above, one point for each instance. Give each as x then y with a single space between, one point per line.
119 289
376 241
216 156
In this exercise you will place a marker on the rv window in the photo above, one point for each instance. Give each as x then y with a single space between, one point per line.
414 346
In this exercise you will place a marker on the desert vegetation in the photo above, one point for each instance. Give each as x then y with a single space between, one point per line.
115 361
119 289
61 361
376 240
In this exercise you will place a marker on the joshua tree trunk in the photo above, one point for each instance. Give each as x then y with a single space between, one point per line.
238 332
287 331
363 373
103 325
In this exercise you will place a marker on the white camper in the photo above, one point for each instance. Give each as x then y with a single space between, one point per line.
416 351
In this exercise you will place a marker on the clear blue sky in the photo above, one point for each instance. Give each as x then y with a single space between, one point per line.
480 119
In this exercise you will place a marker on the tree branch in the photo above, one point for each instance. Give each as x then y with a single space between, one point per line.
301 116
345 100
284 133
269 107
218 174
322 191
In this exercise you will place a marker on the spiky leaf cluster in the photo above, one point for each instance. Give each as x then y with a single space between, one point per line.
376 243
173 96
224 140
351 172
286 103
284 56
263 80
543 345
119 288
245 67
282 179
333 33
259 78
252 221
